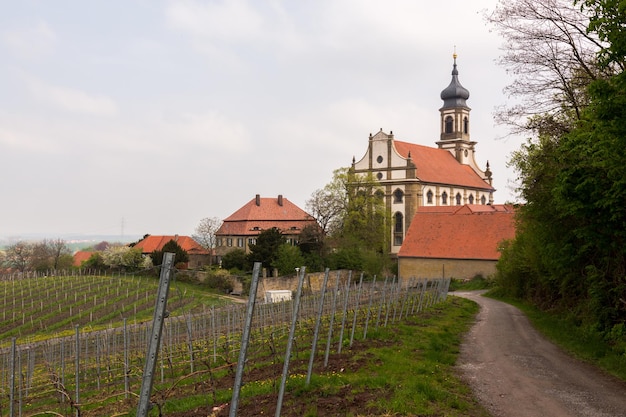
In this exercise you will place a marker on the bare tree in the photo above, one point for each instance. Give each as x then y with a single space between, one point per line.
18 255
328 205
553 59
205 232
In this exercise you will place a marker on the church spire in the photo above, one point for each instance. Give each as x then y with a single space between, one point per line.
454 95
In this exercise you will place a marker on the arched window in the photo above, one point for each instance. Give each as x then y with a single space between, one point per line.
458 199
398 196
429 197
398 229
449 124
471 199
465 125
444 198
483 200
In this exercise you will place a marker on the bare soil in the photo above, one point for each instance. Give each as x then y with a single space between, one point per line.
514 371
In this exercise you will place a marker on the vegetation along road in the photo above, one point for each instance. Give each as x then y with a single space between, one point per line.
514 371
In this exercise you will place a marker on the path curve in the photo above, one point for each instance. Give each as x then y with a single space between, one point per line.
514 371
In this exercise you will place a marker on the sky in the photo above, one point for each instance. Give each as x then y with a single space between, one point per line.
142 117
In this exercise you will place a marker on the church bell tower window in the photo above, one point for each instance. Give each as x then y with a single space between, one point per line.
449 124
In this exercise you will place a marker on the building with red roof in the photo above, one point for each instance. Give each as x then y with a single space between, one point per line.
413 176
459 243
198 256
80 257
240 229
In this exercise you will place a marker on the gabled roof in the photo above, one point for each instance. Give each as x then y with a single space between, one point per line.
81 256
152 243
262 213
469 232
438 166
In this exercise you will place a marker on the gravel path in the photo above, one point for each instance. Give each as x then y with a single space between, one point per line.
514 371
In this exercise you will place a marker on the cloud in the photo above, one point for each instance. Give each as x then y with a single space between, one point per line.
31 41
71 99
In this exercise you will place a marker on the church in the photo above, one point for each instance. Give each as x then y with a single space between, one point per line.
415 176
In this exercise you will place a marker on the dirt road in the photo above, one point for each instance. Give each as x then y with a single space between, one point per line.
514 371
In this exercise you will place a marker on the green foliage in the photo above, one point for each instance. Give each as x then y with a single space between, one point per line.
95 261
287 259
180 255
218 280
122 258
235 259
266 248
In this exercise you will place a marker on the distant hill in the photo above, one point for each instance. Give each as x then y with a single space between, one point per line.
74 240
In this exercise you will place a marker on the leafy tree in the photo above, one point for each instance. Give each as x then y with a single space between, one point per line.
95 261
235 259
122 258
180 255
287 259
266 248
311 240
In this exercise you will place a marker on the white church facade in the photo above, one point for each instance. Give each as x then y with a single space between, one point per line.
427 178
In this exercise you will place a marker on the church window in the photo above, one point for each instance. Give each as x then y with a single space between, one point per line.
429 197
444 198
379 176
398 196
398 229
458 199
465 125
471 199
379 159
449 124
483 200
379 194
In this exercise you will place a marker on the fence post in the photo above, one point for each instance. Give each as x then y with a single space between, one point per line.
160 314
12 379
317 327
292 331
244 339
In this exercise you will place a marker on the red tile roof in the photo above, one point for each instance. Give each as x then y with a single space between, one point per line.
253 218
81 256
470 232
439 166
152 243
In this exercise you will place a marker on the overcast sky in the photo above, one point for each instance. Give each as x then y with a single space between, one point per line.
145 116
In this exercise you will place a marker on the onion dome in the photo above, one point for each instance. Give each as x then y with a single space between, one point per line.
454 95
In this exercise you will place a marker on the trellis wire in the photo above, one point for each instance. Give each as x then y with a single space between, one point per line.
109 361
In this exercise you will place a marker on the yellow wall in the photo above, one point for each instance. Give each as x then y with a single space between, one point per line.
446 268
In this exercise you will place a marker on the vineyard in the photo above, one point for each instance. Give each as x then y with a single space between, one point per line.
93 368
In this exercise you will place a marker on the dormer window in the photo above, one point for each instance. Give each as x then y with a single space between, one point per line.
444 198
471 199
429 197
458 199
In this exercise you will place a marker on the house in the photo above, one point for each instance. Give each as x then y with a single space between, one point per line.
412 176
198 256
240 229
80 257
458 242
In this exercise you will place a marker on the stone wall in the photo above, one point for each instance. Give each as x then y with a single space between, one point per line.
446 268
312 282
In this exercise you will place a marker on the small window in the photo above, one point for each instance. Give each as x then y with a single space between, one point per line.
379 159
449 124
444 198
398 196
379 194
229 241
429 197
240 242
458 199
483 200
218 241
466 125
251 241
471 199
379 176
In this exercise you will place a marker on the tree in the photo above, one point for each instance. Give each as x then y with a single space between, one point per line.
18 255
266 248
235 259
553 58
180 255
205 232
287 259
122 257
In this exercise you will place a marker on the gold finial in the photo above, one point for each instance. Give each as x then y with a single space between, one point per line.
454 54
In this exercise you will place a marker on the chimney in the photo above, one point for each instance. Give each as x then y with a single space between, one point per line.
258 199
280 200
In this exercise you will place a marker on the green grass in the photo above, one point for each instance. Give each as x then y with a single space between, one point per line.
407 368
476 283
581 342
